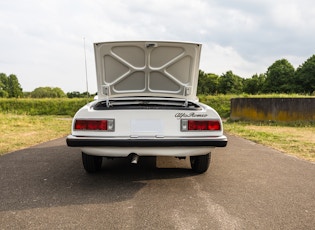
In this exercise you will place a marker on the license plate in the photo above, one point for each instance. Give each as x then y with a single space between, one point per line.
146 127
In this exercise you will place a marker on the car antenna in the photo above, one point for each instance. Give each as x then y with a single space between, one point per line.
86 75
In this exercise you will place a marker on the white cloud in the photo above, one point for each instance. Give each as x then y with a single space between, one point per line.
42 41
218 59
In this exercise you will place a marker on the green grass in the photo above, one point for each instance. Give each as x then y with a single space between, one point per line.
20 131
297 140
221 103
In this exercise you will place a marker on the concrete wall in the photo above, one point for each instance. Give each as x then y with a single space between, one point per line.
273 109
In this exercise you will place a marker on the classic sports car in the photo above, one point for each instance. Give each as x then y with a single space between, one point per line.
147 106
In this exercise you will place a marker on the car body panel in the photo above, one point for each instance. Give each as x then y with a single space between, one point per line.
147 151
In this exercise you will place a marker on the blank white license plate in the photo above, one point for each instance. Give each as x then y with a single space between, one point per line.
147 127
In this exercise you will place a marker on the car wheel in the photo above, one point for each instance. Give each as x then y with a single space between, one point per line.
91 163
200 164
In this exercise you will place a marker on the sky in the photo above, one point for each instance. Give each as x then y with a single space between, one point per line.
46 42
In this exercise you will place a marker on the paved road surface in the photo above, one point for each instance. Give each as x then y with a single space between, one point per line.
248 186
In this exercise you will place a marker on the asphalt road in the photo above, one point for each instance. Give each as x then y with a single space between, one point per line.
248 186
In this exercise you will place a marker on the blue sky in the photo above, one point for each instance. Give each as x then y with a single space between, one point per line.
42 41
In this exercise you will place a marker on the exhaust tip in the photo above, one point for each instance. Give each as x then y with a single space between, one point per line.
134 159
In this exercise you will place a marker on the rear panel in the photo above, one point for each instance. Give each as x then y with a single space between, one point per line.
144 123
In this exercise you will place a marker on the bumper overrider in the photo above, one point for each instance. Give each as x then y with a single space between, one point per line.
78 141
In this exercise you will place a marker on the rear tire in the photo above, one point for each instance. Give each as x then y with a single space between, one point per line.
91 164
200 164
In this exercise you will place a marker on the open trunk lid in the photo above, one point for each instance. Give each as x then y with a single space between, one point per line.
145 68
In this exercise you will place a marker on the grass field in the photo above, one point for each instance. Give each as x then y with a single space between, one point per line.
20 131
294 140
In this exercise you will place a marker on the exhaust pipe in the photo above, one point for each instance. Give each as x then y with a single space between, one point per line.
134 159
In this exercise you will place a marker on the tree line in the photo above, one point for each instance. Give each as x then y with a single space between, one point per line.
281 77
11 88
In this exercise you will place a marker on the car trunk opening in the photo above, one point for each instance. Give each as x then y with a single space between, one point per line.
146 103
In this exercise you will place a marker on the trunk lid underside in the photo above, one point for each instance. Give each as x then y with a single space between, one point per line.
164 69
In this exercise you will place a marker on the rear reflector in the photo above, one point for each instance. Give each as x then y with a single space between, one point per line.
200 125
104 125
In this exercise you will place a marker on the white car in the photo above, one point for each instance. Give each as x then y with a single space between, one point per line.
147 106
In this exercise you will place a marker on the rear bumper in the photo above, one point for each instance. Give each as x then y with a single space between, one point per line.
73 141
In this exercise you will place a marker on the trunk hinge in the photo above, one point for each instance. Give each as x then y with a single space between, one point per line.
106 93
107 102
186 103
187 91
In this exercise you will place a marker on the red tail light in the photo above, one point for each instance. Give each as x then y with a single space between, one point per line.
105 125
200 125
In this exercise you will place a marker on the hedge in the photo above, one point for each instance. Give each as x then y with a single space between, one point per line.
46 106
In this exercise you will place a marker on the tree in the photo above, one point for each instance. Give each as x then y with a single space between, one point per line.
254 84
47 92
57 92
212 83
230 83
207 83
14 88
10 86
201 89
77 94
3 85
280 77
74 94
305 77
